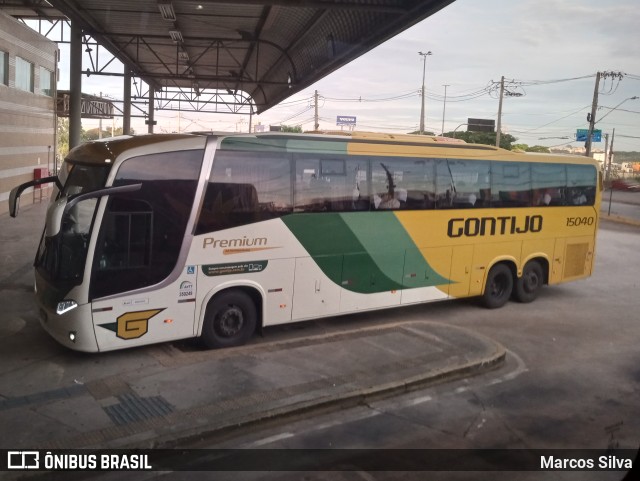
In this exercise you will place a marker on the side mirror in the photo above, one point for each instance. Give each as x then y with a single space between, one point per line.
14 201
16 192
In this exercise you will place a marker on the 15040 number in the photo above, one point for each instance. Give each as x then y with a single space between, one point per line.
580 221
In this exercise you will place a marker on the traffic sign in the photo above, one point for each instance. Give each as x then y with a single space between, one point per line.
581 135
345 120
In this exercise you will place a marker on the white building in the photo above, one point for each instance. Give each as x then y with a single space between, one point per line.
28 63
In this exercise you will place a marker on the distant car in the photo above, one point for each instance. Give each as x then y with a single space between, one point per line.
624 184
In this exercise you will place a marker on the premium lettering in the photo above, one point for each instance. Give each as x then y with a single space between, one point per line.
491 226
226 243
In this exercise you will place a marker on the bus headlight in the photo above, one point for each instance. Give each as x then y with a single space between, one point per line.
65 306
72 336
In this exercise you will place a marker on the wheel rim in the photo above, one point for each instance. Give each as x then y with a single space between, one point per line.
230 322
499 286
531 281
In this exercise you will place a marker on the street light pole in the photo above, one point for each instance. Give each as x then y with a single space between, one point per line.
444 107
635 97
499 128
424 70
454 130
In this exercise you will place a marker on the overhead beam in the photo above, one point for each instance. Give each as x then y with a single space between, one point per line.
388 7
74 11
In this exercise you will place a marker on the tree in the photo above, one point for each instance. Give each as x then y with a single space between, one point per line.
85 135
296 129
535 148
487 138
63 137
417 132
539 148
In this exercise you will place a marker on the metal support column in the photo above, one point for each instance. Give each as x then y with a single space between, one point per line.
150 120
75 84
126 108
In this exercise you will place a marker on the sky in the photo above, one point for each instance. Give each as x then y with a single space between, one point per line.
548 51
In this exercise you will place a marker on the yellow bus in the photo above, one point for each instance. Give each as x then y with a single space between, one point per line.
162 237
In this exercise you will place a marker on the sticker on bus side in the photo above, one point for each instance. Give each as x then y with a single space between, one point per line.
234 268
132 325
186 289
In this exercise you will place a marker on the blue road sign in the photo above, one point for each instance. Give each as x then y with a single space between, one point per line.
581 135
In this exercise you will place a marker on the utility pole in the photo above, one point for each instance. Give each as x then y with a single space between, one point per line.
613 136
316 122
592 117
424 70
444 107
500 112
606 156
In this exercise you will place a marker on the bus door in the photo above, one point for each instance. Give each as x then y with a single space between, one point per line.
141 291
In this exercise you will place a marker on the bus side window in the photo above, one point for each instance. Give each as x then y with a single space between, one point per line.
245 187
548 183
330 183
510 184
581 184
462 184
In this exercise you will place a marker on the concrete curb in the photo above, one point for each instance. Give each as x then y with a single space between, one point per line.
193 436
331 403
454 353
620 220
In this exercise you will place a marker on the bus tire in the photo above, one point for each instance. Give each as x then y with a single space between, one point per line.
499 286
230 320
528 286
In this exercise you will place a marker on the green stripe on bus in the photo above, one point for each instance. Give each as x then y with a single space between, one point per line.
283 144
362 252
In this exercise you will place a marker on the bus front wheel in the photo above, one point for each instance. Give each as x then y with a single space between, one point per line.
498 287
528 286
230 320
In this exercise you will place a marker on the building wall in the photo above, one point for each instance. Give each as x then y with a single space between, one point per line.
27 119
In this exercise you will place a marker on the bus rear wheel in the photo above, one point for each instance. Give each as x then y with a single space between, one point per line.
230 320
498 287
528 286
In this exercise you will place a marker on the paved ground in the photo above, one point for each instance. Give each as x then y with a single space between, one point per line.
162 395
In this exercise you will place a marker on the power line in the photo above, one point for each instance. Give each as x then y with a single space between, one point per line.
548 82
557 120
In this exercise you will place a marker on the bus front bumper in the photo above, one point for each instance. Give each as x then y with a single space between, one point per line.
73 329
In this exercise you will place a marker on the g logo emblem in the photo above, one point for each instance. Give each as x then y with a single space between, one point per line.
132 325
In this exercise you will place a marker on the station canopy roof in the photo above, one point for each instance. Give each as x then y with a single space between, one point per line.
264 49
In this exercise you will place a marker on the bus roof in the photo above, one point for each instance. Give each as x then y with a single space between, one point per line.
328 142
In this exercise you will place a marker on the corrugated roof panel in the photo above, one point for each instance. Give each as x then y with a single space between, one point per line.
270 49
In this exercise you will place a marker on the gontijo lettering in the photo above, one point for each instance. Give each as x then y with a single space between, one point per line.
242 242
474 226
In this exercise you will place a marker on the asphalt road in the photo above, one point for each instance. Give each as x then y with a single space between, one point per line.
620 203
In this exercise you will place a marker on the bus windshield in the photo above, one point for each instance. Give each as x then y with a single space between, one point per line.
62 257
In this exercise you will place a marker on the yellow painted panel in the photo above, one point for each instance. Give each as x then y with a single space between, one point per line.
557 265
461 271
485 256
